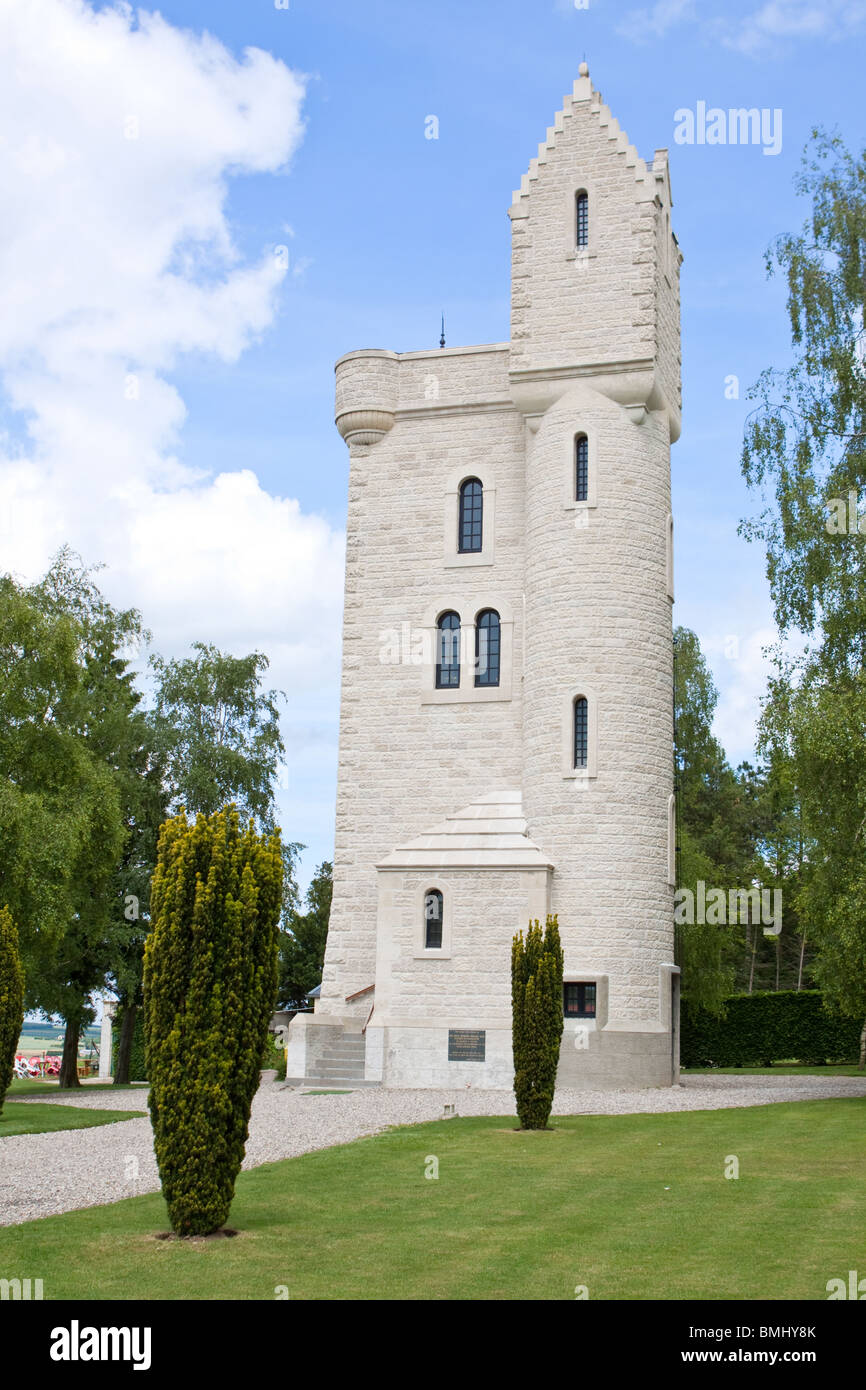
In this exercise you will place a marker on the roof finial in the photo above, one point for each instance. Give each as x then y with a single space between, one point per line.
584 69
442 339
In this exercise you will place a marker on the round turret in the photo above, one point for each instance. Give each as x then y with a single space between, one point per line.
366 395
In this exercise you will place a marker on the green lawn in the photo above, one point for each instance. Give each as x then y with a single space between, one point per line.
633 1207
28 1087
34 1118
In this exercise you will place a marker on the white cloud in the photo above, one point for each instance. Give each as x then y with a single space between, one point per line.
761 30
654 21
740 670
755 32
118 135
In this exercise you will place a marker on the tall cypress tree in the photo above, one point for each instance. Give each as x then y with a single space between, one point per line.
11 999
537 1022
210 983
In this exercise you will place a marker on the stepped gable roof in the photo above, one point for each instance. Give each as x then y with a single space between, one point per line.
608 128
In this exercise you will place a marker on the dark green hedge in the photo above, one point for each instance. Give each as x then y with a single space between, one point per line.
137 1069
763 1028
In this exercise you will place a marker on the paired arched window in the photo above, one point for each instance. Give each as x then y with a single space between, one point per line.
433 920
581 732
582 218
488 649
470 526
488 645
581 468
448 651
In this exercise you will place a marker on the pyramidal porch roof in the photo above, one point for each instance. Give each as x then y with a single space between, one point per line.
488 834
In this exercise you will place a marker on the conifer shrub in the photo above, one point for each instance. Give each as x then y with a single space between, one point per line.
11 999
210 985
537 1022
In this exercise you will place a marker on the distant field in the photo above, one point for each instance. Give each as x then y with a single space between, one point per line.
38 1038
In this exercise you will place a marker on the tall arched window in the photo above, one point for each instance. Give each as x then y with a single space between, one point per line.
582 218
433 920
471 513
448 652
581 732
487 647
581 468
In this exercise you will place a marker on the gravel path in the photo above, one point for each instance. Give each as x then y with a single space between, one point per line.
43 1174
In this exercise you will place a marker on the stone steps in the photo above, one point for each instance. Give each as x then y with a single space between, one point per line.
341 1064
336 1083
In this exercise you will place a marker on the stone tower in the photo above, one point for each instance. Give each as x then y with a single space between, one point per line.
506 720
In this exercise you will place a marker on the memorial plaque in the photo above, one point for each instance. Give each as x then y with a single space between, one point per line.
466 1045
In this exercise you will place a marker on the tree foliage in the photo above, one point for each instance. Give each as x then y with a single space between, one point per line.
804 446
214 739
210 983
11 999
736 829
111 728
302 942
68 728
712 837
87 777
806 441
59 813
218 731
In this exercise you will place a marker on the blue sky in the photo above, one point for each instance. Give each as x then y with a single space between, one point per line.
385 229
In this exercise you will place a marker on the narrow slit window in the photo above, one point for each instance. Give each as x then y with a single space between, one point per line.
433 920
470 534
487 647
581 468
582 219
581 733
448 652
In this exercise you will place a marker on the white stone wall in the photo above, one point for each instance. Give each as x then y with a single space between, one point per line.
572 308
598 616
405 764
468 985
595 348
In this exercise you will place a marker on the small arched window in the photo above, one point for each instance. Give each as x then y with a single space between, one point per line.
448 651
471 516
582 218
581 468
581 732
487 647
433 920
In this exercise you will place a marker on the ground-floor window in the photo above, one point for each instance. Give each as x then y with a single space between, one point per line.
578 1000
